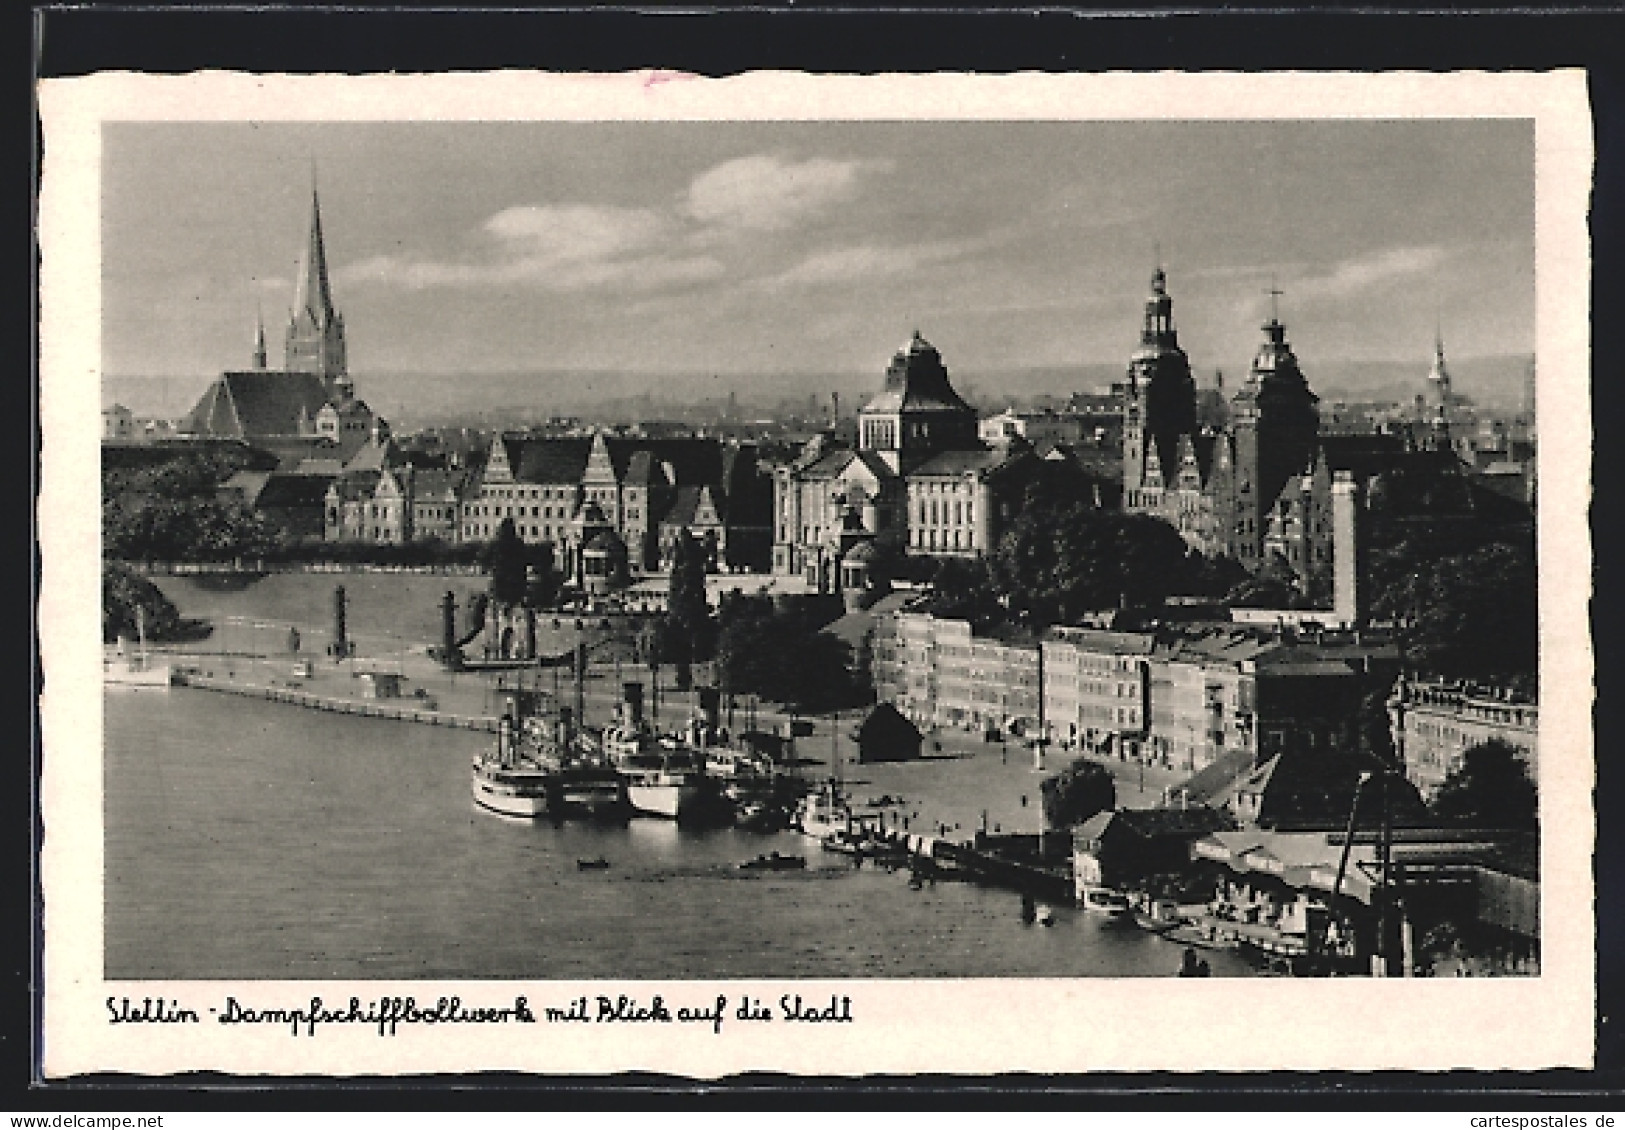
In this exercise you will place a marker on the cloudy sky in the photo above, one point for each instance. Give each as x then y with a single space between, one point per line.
740 248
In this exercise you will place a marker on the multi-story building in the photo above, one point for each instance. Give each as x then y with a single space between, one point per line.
1180 698
1096 687
1435 723
118 424
647 490
1041 429
918 478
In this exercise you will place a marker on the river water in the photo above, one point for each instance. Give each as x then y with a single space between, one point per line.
248 840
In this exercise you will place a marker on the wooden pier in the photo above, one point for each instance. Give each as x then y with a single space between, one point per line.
403 712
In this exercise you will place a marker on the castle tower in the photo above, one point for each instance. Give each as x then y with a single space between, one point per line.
1160 404
1276 425
315 338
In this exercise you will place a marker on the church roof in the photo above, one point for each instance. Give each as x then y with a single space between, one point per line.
917 381
254 404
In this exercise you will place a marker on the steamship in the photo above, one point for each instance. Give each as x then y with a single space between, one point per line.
535 769
666 776
509 778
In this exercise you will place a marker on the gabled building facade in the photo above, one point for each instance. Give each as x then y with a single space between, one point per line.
561 490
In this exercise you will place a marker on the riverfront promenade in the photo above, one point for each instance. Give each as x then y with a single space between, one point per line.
951 792
945 793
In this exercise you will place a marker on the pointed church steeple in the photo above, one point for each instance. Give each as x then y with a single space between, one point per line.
315 340
1438 375
259 339
311 294
1438 401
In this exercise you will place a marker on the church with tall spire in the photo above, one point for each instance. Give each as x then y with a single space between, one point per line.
315 335
308 409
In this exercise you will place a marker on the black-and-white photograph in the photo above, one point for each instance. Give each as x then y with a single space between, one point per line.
669 550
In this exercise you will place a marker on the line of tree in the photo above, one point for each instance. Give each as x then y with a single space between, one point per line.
781 654
1062 557
520 573
171 511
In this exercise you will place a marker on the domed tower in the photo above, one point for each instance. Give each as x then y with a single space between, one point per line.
1160 404
1277 426
917 412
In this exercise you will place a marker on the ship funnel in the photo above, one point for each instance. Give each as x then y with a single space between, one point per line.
632 702
505 740
710 707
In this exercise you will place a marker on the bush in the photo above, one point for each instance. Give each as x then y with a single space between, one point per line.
1077 792
122 593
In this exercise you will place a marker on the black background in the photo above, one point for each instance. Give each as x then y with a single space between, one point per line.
63 42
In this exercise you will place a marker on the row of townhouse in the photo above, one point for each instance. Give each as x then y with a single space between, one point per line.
1180 698
562 490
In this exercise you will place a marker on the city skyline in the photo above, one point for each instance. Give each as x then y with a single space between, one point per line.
773 248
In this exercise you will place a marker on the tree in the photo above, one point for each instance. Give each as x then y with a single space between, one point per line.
123 592
1061 557
1076 793
1490 789
542 589
1471 615
505 560
1273 586
690 633
781 655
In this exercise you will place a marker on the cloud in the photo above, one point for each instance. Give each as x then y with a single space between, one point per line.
1361 273
574 246
574 232
842 265
552 247
766 192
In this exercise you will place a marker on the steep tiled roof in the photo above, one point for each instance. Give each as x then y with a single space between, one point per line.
246 485
289 491
694 461
357 487
959 462
1213 782
438 485
917 381
258 403
551 460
